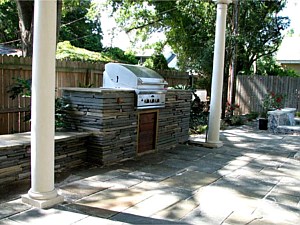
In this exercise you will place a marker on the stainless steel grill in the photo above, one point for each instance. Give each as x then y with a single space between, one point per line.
149 86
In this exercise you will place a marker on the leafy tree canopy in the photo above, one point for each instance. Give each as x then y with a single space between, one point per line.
190 28
80 24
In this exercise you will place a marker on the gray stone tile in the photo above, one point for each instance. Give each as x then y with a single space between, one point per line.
177 163
284 199
47 217
143 176
159 171
273 213
203 165
90 220
115 199
124 181
12 207
138 219
249 188
288 186
240 218
191 180
199 217
108 175
82 188
178 210
8 222
88 210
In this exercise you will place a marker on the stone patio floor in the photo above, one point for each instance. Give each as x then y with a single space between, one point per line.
253 179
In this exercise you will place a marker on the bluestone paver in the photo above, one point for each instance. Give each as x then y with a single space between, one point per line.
253 179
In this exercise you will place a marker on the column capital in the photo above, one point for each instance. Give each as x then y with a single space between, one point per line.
223 1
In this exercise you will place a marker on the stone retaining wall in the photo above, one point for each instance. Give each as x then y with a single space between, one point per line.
70 152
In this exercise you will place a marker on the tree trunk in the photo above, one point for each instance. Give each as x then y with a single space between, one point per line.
26 16
233 61
59 9
25 12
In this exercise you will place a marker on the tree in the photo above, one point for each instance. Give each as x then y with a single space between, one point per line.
259 32
190 28
81 25
25 13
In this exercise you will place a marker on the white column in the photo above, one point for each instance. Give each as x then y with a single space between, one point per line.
217 76
43 193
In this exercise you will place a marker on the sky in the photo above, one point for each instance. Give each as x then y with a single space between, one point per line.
122 40
292 10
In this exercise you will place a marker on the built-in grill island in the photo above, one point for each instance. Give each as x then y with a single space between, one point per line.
132 114
148 85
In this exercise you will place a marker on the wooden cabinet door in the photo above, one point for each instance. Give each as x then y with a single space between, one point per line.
147 131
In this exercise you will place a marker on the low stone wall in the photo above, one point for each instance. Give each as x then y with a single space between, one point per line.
173 121
113 118
110 115
104 128
70 152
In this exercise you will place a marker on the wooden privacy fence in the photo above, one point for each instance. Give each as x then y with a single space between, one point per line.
250 91
68 74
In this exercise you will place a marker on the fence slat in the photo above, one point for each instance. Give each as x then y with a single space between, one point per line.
250 91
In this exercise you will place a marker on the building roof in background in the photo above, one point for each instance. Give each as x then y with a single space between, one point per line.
6 50
289 51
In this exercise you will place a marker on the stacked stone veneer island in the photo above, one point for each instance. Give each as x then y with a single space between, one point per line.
112 116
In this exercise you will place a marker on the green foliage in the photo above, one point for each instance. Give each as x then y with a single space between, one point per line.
273 101
252 116
198 115
156 61
297 114
231 119
235 120
80 24
85 85
67 51
118 54
269 67
182 87
190 28
9 22
22 87
60 115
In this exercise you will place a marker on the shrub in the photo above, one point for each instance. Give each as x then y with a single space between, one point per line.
22 87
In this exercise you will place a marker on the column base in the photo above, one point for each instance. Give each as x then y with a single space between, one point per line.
41 204
216 144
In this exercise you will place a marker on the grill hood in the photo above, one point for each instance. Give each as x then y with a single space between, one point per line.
127 76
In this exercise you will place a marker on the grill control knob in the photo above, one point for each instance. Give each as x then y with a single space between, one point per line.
157 100
152 100
146 101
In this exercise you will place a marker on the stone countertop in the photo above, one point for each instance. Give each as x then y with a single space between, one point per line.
10 140
282 111
101 89
96 90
